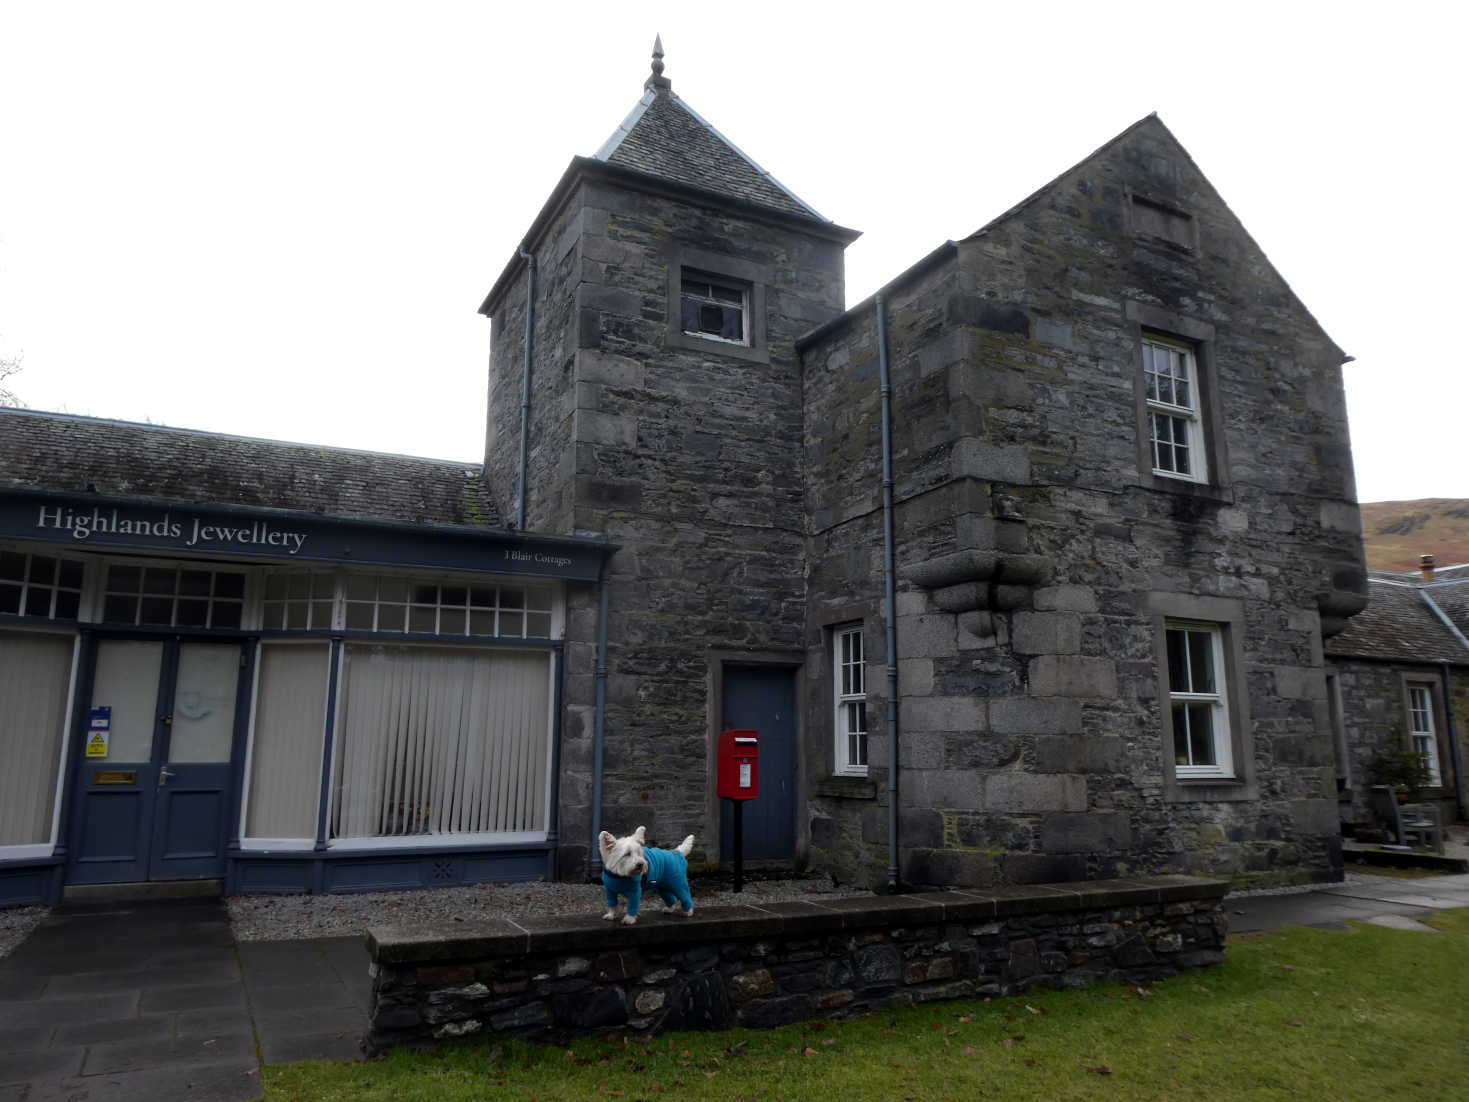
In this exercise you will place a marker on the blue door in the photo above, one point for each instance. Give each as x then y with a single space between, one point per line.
152 789
764 697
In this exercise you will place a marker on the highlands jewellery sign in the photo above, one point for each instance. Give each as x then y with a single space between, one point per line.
184 530
259 533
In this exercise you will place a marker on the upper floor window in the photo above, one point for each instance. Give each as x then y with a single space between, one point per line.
40 585
1174 410
715 309
850 701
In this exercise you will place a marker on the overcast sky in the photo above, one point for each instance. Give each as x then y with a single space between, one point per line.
279 218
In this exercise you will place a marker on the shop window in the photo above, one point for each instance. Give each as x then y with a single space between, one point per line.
300 600
40 585
436 741
391 604
35 672
286 740
170 596
850 701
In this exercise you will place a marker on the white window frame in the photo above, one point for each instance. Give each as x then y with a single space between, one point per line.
1217 700
723 283
1422 728
849 700
1187 414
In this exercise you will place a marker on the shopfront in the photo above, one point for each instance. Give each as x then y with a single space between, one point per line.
275 700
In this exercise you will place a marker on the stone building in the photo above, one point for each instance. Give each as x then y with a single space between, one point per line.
1117 447
1398 679
1020 568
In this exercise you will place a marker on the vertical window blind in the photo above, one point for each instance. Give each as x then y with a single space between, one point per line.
290 725
437 740
35 669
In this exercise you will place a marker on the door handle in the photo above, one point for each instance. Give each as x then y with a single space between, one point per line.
163 774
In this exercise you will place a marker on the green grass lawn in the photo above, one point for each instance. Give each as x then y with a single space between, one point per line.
1365 1014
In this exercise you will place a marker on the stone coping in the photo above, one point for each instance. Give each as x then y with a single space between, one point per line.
504 937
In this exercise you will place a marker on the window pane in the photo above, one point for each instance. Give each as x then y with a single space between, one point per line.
512 597
9 598
275 613
512 623
193 614
276 587
323 586
71 573
482 596
124 579
360 588
426 594
159 581
296 615
1180 734
38 601
391 617
43 570
538 625
156 610
321 614
119 610
229 585
194 583
455 595
1177 662
482 623
1201 661
226 614
689 315
67 604
12 566
299 586
451 621
392 590
1201 734
421 618
359 617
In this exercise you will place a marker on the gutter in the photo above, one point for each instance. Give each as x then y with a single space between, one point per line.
889 570
529 341
599 726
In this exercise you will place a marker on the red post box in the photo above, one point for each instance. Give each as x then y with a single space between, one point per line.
737 773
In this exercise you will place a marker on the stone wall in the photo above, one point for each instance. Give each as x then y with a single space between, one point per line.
1038 554
774 964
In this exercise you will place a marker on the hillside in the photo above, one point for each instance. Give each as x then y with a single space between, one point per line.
1396 533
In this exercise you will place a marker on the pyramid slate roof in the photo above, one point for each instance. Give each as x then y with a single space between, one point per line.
665 137
68 453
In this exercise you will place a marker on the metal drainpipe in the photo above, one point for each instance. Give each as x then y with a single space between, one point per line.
599 724
1448 711
889 585
530 330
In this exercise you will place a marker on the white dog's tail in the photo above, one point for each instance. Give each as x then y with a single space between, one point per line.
686 846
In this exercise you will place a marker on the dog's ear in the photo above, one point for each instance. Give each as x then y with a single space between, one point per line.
606 841
639 834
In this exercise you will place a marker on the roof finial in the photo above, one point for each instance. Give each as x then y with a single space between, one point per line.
657 82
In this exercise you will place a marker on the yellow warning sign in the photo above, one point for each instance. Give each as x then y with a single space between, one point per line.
97 744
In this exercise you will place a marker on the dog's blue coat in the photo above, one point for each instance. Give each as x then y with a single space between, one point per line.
668 874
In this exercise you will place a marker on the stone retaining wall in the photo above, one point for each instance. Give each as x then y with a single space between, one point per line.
778 963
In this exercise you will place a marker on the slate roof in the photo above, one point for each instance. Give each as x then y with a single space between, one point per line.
1399 625
665 137
64 452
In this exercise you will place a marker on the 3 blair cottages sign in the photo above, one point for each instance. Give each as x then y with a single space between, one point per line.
242 532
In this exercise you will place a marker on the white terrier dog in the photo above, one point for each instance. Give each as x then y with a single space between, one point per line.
627 865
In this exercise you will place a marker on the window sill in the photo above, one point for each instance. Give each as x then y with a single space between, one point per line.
1209 790
709 346
846 788
1184 487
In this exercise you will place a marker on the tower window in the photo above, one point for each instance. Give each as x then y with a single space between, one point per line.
714 310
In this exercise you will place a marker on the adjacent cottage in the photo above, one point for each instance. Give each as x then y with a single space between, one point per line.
1398 681
1021 568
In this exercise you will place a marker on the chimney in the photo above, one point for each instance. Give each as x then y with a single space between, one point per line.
1425 564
